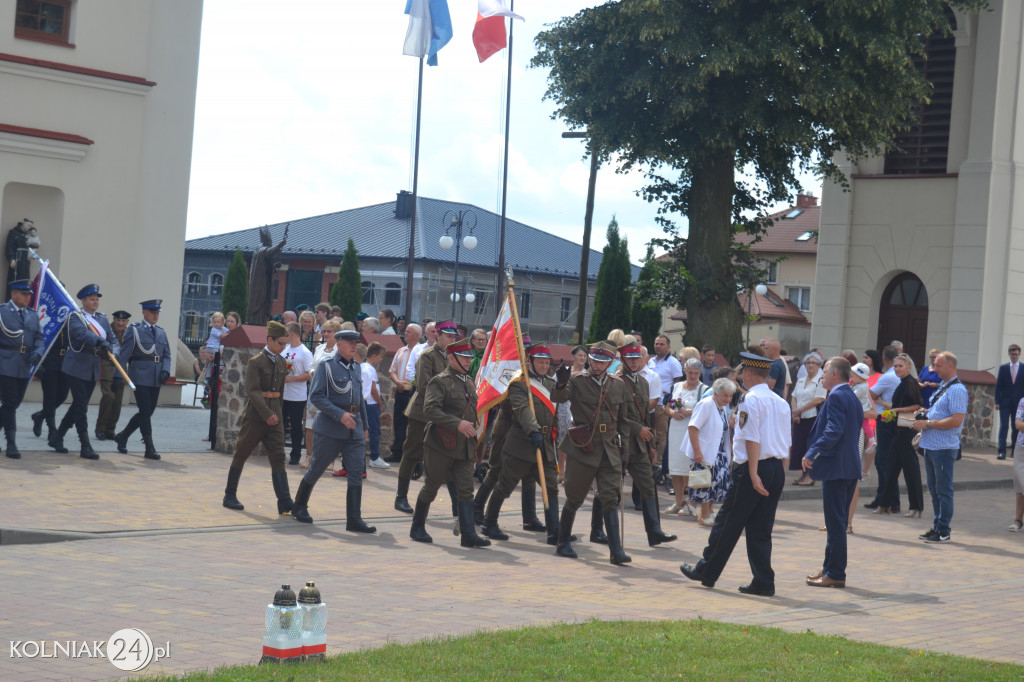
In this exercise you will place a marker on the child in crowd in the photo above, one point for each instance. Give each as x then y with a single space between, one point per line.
217 330
296 386
371 396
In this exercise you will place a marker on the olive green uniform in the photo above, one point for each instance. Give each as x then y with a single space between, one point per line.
639 466
519 458
431 363
449 399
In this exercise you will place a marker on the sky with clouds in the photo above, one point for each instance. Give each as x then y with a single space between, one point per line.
310 108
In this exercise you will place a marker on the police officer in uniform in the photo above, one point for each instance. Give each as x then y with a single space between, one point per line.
598 402
53 383
641 441
89 337
450 443
262 421
113 392
147 355
340 426
762 440
431 362
21 347
530 430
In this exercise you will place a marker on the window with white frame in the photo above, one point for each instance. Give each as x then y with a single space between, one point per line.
801 296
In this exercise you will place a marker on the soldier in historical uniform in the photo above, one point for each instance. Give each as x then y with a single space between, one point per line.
113 392
21 347
147 356
450 443
89 337
340 426
262 421
431 362
531 430
641 441
598 403
54 384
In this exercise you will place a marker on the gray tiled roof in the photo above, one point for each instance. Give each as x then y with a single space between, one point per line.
377 233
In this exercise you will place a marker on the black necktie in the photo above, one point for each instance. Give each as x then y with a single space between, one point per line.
21 314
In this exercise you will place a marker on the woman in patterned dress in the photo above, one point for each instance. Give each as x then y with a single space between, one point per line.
708 432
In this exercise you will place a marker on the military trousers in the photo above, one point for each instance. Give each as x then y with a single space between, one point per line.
252 434
440 468
642 473
495 461
77 414
326 449
146 398
514 470
110 403
579 476
412 448
11 392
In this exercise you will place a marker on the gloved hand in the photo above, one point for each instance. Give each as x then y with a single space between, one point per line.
562 374
537 439
116 383
35 359
164 376
103 344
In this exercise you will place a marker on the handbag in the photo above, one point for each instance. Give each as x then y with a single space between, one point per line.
915 443
581 437
700 478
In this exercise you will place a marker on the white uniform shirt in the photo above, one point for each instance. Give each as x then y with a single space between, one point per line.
763 418
653 380
369 379
301 359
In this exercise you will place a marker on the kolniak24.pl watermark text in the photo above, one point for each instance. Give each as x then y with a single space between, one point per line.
129 649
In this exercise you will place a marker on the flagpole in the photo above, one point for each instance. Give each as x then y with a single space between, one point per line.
415 199
504 174
526 380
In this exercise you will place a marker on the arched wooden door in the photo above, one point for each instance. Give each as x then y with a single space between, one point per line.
904 316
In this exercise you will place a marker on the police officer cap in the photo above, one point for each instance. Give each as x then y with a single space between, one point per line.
122 315
276 330
757 361
89 290
153 304
21 285
602 351
347 335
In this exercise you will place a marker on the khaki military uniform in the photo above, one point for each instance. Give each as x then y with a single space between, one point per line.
450 398
431 363
519 458
499 432
603 463
639 467
110 403
264 383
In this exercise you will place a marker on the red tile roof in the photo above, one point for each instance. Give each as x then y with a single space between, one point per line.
768 308
781 237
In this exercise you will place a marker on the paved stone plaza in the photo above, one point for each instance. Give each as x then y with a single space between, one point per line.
161 554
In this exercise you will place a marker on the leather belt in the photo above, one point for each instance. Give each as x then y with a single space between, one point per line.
542 429
603 428
350 408
270 394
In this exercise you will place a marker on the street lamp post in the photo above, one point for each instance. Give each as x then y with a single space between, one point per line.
761 290
456 220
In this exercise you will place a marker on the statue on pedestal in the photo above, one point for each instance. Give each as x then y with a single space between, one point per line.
261 277
19 250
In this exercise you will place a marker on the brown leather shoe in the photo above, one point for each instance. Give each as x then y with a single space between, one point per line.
824 581
815 576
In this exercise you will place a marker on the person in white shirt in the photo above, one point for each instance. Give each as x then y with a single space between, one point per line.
403 375
761 442
386 318
668 369
371 396
295 386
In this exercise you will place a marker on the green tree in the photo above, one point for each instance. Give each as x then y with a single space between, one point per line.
694 91
236 287
614 279
646 309
347 292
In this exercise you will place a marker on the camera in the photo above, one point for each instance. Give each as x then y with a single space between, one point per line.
921 414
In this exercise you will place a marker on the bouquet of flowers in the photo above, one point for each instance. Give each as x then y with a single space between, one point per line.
888 416
675 404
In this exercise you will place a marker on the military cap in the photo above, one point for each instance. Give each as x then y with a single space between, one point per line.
539 350
276 330
460 347
22 285
152 304
89 290
446 327
360 316
122 315
347 335
301 307
632 350
602 351
756 361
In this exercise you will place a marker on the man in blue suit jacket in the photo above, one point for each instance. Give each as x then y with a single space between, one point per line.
833 457
1009 391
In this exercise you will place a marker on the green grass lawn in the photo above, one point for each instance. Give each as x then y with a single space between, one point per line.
632 650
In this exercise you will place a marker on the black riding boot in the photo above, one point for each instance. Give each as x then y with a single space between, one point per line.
637 504
596 531
454 494
652 524
87 452
56 438
551 522
402 498
231 490
467 529
564 547
418 532
151 452
353 511
611 522
300 508
482 493
530 520
122 438
284 497
490 525
37 423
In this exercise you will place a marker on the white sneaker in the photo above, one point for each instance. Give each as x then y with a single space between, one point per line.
379 463
673 509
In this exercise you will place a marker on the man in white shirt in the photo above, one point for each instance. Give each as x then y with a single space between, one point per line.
403 374
885 432
668 369
371 397
294 395
762 441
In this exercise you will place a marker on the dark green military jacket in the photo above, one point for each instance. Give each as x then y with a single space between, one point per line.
264 377
450 398
583 392
431 362
517 444
637 399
